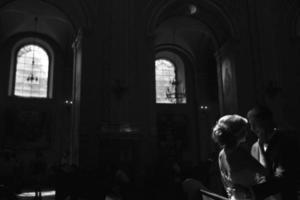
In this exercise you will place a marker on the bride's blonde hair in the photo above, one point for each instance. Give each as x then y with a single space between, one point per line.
229 130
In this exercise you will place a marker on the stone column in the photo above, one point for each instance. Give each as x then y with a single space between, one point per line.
76 92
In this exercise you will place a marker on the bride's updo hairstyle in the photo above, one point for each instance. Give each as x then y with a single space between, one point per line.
229 130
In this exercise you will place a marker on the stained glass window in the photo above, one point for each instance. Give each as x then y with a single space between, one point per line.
32 69
164 75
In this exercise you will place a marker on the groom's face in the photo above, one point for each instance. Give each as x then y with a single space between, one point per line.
259 129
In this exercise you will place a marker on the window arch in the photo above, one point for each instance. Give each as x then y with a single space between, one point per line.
31 69
169 79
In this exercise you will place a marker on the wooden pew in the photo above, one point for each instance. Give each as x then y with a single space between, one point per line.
212 195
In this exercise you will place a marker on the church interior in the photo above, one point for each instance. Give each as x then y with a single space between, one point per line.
116 99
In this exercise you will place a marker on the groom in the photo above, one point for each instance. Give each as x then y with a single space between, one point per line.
278 151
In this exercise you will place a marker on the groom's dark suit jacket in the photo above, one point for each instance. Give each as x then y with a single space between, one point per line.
282 158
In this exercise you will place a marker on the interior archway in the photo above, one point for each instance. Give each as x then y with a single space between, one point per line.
198 38
33 124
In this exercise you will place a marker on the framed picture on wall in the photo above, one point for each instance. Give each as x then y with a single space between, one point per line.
228 85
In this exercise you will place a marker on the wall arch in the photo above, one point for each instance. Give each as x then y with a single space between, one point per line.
201 37
209 13
80 15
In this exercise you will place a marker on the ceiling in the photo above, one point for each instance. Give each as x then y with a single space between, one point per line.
186 32
19 17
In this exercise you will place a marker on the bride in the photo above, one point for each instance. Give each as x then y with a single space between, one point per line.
237 167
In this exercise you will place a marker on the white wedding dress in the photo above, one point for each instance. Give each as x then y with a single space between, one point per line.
239 168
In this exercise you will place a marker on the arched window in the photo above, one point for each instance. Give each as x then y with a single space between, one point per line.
169 88
31 70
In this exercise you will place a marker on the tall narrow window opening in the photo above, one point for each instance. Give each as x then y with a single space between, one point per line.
31 70
169 89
